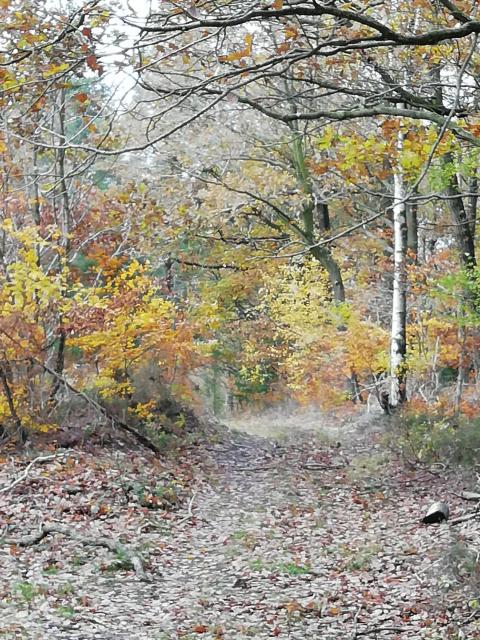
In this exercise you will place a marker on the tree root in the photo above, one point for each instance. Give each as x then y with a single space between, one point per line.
113 545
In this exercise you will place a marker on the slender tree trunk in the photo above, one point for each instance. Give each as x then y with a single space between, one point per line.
169 274
323 216
462 339
412 231
66 226
464 217
464 229
66 217
473 201
324 257
59 367
20 431
321 253
398 345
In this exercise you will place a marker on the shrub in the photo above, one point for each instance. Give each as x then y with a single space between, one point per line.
437 438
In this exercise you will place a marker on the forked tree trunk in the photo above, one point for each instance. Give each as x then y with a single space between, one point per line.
316 215
398 344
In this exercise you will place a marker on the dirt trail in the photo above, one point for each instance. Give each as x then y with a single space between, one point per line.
293 538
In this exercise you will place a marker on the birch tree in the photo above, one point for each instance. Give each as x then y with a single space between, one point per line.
398 344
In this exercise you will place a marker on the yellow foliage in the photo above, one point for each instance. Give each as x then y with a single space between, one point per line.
136 325
327 342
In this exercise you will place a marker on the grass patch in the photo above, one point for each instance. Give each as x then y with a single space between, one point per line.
361 560
240 534
290 568
26 591
50 570
247 539
65 589
79 561
294 569
368 466
257 565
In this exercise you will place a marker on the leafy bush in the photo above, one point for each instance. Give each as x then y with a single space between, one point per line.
437 438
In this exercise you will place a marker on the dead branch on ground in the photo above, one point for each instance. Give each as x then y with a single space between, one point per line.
37 460
113 545
102 410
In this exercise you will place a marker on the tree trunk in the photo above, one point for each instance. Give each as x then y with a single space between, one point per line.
323 253
462 339
398 346
473 202
463 219
323 216
464 229
324 257
412 232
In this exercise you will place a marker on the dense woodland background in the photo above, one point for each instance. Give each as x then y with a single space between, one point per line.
229 206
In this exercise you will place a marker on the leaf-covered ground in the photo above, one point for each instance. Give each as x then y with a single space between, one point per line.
242 537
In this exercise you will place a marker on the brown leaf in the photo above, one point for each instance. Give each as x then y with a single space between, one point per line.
283 47
291 32
81 97
92 62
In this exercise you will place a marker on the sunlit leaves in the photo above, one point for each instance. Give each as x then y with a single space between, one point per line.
133 324
55 69
241 53
324 342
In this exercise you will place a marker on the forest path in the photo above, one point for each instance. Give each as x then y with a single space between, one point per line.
296 538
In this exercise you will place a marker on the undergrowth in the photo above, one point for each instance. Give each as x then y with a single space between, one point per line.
437 438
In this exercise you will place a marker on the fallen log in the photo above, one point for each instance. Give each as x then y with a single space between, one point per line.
469 495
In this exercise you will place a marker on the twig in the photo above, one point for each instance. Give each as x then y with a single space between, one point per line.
90 401
102 410
189 515
367 632
39 459
472 616
465 518
313 466
267 468
151 524
190 504
113 545
468 495
240 445
355 622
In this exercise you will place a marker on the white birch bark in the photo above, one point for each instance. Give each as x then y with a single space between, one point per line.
399 302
